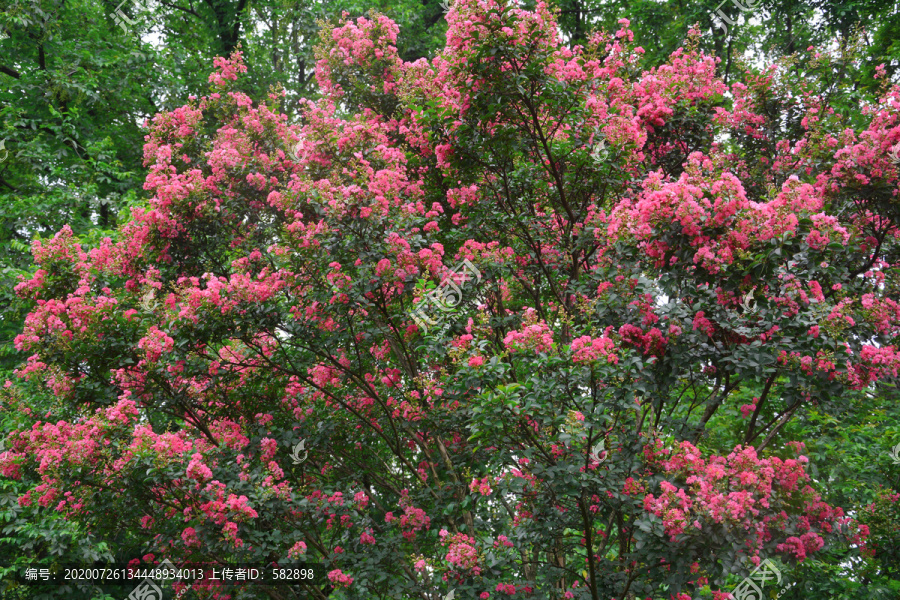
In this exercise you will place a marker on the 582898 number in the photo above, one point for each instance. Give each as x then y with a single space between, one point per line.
292 574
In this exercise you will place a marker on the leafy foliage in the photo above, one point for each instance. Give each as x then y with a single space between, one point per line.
692 276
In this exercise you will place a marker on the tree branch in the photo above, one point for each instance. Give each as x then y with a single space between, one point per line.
781 423
10 71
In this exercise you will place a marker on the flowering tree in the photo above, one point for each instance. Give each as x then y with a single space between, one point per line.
649 262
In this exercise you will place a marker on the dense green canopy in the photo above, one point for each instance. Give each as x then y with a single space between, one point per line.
80 80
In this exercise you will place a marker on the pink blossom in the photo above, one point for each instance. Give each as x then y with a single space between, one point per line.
297 550
339 579
481 486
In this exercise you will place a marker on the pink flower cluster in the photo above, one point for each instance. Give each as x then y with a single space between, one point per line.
412 520
461 552
297 550
482 486
807 543
587 349
340 579
742 490
365 44
651 343
197 469
506 588
673 506
535 335
228 69
156 343
220 509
